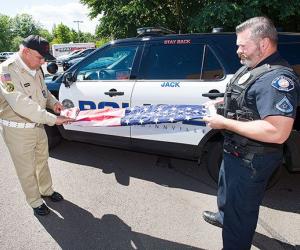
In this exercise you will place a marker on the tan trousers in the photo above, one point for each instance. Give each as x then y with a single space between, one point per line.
28 148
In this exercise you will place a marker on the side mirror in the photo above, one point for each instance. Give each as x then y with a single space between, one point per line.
68 79
52 68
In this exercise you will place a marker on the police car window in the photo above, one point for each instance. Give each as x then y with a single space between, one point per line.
176 61
212 69
114 63
290 52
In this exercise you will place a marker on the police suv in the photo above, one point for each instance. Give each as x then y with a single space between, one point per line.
161 68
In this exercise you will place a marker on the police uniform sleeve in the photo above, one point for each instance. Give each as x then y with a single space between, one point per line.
276 93
12 92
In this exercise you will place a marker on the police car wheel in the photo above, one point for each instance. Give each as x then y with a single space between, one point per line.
54 137
214 160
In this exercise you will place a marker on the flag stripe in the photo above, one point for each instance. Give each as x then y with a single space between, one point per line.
138 115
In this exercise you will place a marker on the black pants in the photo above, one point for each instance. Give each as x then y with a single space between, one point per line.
241 189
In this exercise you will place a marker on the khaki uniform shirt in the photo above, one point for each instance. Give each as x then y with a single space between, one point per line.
23 97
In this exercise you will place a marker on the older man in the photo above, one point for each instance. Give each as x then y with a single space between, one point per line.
23 101
259 110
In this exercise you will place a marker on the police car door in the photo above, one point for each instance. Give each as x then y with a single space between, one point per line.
102 80
176 72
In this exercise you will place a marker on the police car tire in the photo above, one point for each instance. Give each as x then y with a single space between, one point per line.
54 137
214 160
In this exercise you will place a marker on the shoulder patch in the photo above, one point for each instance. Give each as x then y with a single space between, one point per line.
283 83
9 87
6 80
284 105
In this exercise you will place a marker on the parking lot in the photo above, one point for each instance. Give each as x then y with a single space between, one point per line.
116 199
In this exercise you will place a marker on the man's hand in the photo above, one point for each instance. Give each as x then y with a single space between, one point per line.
215 121
63 120
58 107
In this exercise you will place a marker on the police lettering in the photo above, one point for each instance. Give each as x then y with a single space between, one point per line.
170 84
187 41
179 41
86 105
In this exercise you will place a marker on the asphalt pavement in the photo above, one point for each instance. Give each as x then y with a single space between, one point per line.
117 199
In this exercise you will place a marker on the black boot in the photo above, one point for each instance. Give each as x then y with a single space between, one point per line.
42 210
211 218
55 197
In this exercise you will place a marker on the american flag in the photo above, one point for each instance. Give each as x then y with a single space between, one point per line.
138 115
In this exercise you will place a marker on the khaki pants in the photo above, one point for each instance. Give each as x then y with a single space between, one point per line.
28 148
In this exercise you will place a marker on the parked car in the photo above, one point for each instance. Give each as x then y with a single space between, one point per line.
163 69
5 55
82 53
60 59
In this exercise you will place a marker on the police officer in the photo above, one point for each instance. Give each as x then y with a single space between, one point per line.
259 110
24 98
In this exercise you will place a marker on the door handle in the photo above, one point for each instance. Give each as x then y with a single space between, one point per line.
114 92
213 94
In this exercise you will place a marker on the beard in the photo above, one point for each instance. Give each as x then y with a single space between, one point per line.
250 60
244 59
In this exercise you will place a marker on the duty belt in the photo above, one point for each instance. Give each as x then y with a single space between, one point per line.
239 149
12 124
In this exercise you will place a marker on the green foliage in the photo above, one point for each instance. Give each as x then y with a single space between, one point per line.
228 14
101 42
62 34
23 25
15 43
86 37
6 33
121 18
46 34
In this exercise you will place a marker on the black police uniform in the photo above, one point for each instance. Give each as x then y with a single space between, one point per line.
271 88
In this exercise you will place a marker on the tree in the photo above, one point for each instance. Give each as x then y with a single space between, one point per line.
15 43
6 33
46 34
121 18
101 42
86 37
62 34
228 14
24 25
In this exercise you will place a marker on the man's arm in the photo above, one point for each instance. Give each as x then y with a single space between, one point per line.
273 129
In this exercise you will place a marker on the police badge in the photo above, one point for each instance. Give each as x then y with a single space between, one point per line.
244 78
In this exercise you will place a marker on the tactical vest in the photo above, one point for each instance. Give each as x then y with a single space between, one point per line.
235 106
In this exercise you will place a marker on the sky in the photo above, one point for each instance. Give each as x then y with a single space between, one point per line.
49 13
